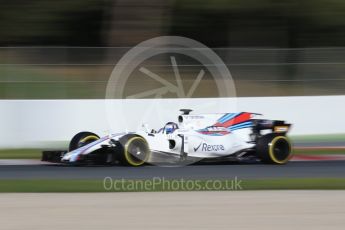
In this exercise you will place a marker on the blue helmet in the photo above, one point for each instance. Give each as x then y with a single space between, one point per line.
170 127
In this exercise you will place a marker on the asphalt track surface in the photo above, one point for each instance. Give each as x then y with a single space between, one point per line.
283 210
294 169
304 169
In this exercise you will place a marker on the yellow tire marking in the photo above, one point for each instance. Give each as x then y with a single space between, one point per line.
87 138
127 154
271 150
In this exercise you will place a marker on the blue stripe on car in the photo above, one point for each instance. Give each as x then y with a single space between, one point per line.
227 117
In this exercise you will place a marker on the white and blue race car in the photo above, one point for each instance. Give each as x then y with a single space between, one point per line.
217 137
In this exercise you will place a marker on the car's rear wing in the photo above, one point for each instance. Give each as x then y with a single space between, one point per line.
276 126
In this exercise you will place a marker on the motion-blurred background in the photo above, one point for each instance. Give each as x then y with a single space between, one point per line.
67 49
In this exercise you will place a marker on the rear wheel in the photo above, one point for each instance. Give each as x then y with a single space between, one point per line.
81 139
135 150
274 149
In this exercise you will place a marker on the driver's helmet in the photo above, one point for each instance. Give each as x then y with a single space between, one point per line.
170 127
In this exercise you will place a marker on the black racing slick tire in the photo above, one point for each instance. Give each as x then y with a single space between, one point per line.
273 148
134 151
82 139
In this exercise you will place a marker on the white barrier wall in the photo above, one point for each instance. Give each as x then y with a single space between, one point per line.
39 123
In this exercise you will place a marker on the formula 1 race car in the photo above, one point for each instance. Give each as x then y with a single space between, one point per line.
194 136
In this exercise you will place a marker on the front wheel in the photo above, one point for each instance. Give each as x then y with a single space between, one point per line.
135 150
274 149
81 139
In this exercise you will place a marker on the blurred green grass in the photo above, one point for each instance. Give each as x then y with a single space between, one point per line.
318 138
35 185
20 154
294 183
89 82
